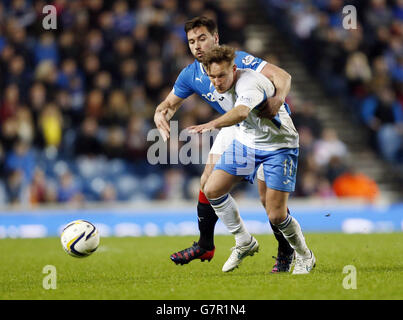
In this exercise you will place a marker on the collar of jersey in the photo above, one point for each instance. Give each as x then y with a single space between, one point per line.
202 67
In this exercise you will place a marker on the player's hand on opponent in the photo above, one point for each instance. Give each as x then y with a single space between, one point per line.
270 108
201 128
162 124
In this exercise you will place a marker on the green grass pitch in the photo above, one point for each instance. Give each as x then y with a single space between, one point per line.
140 269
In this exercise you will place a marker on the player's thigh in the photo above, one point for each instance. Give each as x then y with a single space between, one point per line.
261 185
222 141
219 183
276 205
208 168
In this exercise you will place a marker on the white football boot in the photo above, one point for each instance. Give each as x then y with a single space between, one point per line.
304 265
239 253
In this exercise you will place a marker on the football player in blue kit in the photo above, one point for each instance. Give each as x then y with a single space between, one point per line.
202 35
259 142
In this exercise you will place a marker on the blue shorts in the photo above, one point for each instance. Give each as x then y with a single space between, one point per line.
279 166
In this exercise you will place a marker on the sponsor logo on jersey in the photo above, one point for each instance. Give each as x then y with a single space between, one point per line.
246 99
209 96
248 60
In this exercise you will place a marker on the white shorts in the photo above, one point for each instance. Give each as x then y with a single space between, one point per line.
260 173
223 140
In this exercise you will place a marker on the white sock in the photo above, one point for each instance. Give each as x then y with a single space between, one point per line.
293 233
227 210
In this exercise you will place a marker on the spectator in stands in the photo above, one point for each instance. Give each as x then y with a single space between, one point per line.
335 168
128 75
108 193
309 184
136 143
95 104
328 146
234 34
10 103
123 19
91 67
103 82
383 115
174 184
353 184
46 73
358 73
9 134
37 98
91 87
378 14
38 189
15 187
114 145
17 73
87 141
25 125
398 10
21 159
67 190
51 125
304 116
117 111
46 49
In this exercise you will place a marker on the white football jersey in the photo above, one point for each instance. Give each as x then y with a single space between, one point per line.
251 89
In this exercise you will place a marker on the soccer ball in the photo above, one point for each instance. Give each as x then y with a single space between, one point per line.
80 238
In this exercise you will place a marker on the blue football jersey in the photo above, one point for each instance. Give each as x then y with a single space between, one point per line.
194 79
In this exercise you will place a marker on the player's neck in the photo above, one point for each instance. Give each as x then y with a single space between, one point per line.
235 80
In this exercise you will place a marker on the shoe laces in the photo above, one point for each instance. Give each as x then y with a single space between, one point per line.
236 251
191 250
300 262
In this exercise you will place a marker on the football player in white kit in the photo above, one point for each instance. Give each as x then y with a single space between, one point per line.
259 142
202 34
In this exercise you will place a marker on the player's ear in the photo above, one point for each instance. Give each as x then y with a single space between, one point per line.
216 38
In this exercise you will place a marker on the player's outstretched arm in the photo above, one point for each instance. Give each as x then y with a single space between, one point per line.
164 112
282 82
234 116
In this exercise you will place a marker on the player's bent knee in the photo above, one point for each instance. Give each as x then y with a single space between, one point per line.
277 216
211 191
277 213
276 219
205 176
203 181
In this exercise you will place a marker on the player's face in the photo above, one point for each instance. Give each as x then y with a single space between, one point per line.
222 75
201 40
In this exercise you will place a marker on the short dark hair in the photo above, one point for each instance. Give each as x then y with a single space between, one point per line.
218 54
201 21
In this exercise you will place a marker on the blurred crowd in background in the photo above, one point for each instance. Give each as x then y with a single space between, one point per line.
77 103
363 66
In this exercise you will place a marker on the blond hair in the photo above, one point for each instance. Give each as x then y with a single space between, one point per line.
219 54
